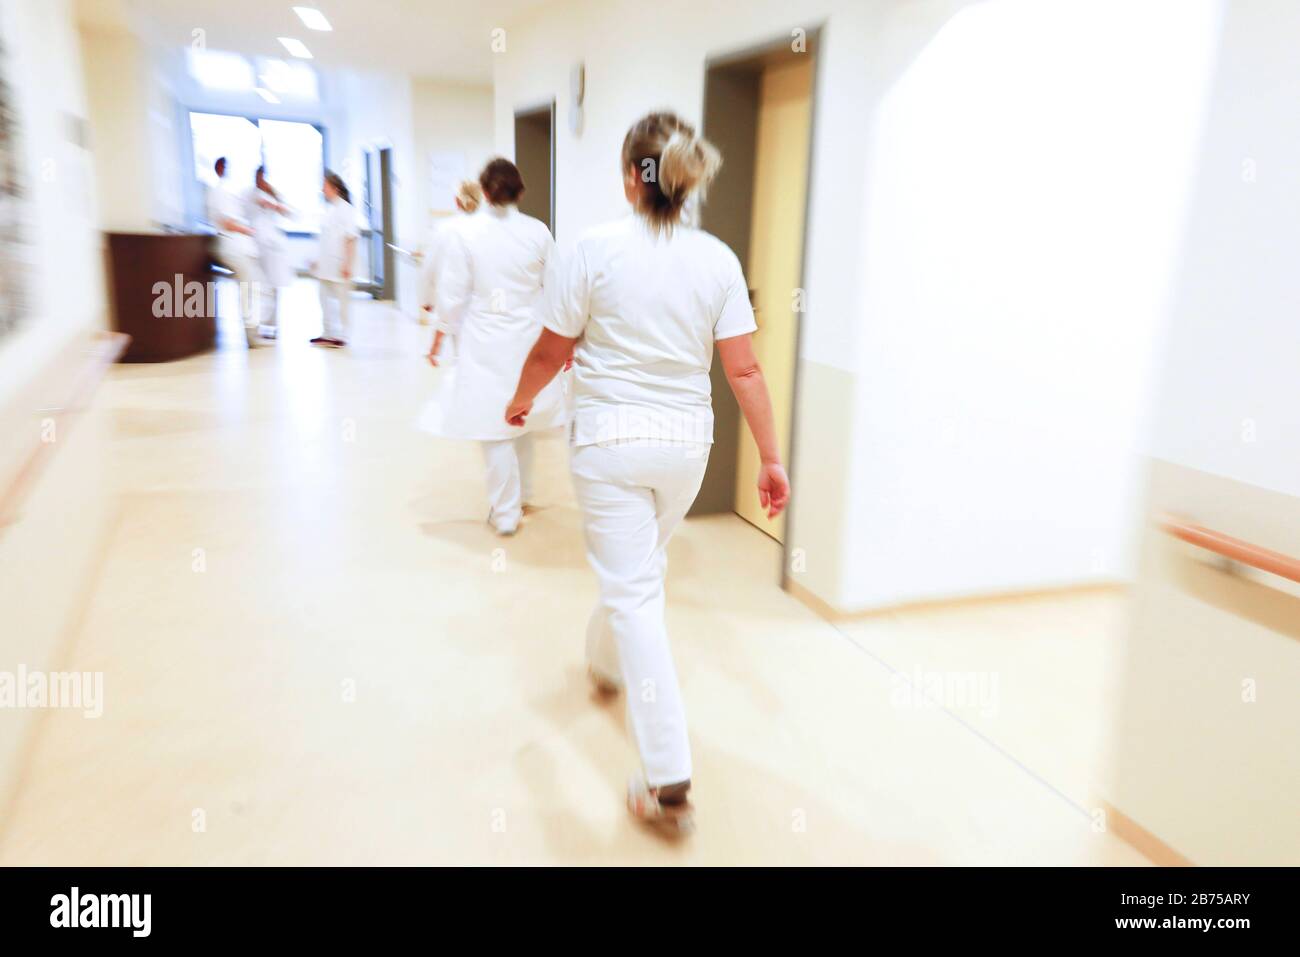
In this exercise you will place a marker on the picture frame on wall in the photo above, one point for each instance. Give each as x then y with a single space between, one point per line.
15 255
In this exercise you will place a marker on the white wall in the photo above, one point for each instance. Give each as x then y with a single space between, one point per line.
115 89
1229 376
1205 752
44 69
450 119
1027 178
994 211
47 554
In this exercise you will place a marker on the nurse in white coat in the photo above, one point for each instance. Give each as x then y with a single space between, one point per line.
338 251
236 248
644 300
264 211
469 196
489 288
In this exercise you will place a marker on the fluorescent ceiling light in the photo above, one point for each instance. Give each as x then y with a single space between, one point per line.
312 18
267 95
296 47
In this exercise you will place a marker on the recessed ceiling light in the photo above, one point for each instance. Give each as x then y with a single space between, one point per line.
312 18
267 95
296 47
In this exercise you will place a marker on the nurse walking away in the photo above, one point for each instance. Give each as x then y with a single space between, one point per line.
264 211
469 196
489 285
644 299
338 248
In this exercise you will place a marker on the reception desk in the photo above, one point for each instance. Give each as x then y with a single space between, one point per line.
163 294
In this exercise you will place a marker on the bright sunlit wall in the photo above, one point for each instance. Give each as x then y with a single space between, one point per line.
1028 175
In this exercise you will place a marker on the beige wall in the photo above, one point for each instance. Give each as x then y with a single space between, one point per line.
46 554
454 119
65 275
133 131
1207 738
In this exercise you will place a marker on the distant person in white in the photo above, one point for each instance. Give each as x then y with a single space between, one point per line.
264 209
639 303
236 249
338 250
469 196
489 289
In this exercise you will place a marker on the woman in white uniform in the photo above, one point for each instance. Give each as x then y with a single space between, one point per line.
469 195
338 248
236 248
641 302
489 288
264 211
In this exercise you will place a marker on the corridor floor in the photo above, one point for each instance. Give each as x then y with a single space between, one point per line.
315 652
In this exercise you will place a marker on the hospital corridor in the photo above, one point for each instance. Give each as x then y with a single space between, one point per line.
356 670
839 433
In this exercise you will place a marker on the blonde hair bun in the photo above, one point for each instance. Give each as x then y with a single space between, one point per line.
673 164
469 194
687 165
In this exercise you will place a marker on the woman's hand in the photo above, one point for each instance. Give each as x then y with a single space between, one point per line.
773 488
433 349
517 411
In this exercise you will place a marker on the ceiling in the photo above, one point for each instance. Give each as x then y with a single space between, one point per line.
446 39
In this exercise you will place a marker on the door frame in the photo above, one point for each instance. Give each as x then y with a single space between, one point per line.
737 56
538 108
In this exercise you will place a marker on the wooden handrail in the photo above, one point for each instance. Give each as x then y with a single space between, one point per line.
106 350
1236 549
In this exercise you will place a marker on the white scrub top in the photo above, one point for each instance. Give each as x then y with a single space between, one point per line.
272 244
491 268
429 265
646 310
223 205
337 225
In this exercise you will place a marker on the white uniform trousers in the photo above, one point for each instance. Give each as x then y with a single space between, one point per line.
248 276
633 495
334 298
268 302
509 479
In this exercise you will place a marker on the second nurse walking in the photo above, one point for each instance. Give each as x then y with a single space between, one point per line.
491 271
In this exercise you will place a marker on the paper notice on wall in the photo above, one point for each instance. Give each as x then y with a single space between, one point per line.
446 170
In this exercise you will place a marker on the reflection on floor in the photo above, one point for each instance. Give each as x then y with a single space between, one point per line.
315 652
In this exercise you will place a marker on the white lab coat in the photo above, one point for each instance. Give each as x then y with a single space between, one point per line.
234 249
272 244
338 225
429 262
491 270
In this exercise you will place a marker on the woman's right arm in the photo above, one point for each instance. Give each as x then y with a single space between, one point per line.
745 376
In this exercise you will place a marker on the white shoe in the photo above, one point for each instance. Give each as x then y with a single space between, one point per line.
503 530
254 340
